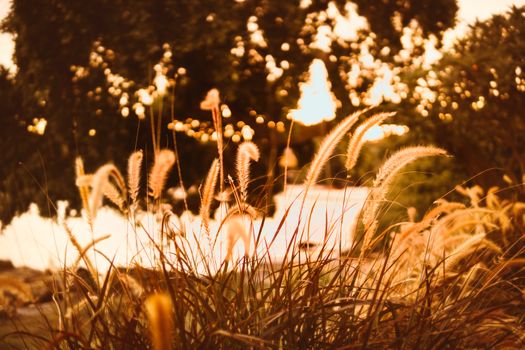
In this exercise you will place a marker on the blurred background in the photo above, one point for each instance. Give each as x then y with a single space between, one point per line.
83 78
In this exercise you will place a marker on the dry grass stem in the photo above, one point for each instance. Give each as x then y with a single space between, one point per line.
207 195
83 188
100 183
113 194
211 103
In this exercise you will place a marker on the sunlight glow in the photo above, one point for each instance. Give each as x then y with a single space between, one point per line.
256 34
145 97
38 127
379 132
383 88
317 102
161 83
345 27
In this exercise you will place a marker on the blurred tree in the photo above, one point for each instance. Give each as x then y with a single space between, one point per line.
254 51
477 109
14 182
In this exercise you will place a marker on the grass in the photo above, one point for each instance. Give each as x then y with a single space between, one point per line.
455 279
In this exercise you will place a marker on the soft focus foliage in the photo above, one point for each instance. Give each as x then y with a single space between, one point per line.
478 112
254 51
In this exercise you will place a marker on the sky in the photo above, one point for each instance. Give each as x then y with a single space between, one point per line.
469 10
6 41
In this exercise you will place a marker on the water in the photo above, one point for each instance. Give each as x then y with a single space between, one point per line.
324 216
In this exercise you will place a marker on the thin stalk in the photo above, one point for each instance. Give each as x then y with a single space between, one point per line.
217 120
159 122
152 126
176 150
287 147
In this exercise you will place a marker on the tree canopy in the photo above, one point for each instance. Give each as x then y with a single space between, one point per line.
477 107
254 51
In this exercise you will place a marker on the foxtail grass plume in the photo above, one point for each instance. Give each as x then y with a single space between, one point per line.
442 207
247 151
83 187
357 140
327 147
159 310
134 166
474 193
383 180
115 196
164 161
207 194
468 247
100 185
400 159
430 217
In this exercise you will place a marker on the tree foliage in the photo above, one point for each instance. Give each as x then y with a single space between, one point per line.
54 36
479 110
